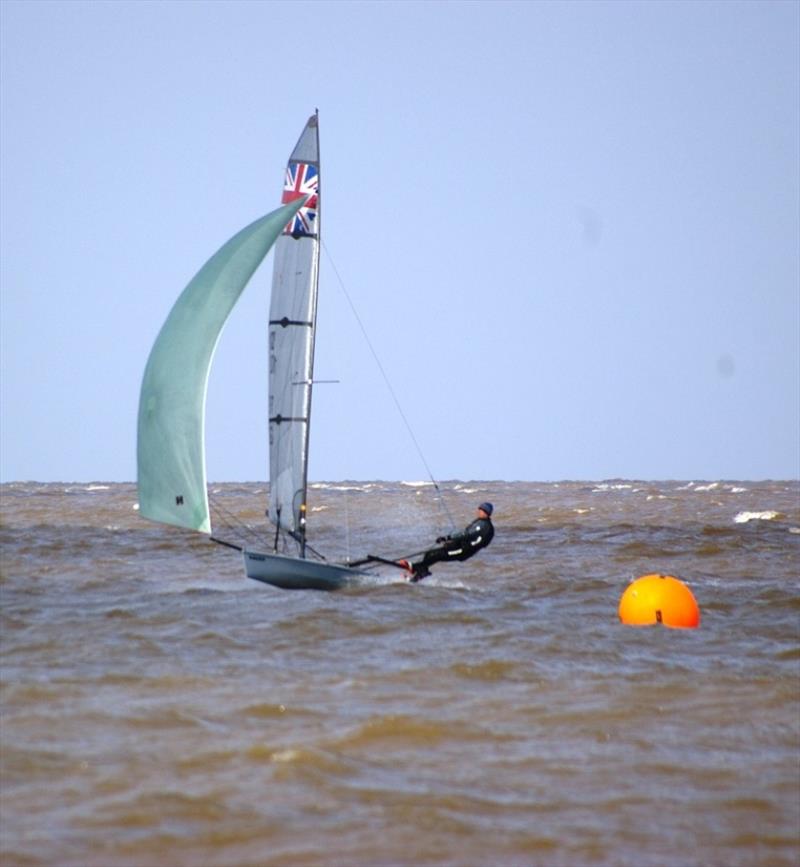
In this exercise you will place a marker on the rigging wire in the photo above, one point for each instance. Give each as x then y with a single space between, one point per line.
347 525
389 386
231 521
243 531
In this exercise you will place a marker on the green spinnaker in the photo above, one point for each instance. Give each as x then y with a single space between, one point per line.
171 429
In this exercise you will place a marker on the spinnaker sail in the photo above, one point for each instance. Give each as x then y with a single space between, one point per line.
170 442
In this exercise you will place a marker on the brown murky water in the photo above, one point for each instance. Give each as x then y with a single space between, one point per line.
160 709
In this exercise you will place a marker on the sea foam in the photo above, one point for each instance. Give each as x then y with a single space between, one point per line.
744 517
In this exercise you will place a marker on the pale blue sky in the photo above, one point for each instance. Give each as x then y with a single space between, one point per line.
570 229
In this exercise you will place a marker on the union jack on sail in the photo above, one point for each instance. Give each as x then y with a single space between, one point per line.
301 179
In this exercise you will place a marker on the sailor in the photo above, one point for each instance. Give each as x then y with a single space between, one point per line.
459 546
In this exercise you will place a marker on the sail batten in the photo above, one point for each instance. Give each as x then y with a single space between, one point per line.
171 465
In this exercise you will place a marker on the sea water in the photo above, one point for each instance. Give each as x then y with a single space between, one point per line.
158 708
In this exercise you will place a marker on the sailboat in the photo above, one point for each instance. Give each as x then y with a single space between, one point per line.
172 483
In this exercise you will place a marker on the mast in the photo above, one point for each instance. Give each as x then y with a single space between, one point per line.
292 331
313 124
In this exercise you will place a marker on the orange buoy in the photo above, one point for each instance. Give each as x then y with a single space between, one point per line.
659 599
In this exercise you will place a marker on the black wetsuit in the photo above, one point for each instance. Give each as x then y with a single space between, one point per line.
459 546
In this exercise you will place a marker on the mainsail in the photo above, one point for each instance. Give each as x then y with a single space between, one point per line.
292 325
171 448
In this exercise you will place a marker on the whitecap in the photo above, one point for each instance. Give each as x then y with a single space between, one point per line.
325 486
744 517
288 755
606 486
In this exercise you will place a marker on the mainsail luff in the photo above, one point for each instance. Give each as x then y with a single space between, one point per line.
292 329
171 464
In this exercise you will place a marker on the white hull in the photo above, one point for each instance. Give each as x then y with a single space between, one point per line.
292 573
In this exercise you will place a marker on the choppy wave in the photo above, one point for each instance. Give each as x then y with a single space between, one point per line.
604 487
766 515
363 487
160 709
713 486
